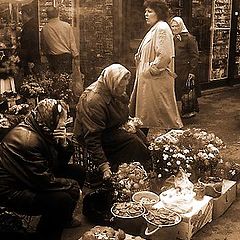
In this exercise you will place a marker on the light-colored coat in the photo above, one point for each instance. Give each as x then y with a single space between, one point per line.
153 98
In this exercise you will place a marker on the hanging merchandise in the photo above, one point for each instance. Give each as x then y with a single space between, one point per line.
220 39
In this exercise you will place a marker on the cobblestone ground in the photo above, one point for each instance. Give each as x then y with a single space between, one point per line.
220 114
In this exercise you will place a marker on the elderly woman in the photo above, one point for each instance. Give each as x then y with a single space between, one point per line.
35 177
153 98
101 111
186 56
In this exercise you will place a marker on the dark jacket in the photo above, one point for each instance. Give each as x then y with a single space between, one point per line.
186 60
28 161
29 44
98 113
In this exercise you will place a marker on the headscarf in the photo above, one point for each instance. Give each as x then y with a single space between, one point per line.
110 77
46 115
182 27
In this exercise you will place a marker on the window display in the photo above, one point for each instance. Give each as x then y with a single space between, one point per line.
220 39
237 58
176 7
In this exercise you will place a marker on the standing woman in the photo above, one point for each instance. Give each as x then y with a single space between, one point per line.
153 98
186 59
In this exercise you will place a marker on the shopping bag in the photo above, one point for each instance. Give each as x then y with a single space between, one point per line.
97 204
189 99
77 81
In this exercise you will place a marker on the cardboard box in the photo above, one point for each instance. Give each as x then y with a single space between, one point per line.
193 221
222 203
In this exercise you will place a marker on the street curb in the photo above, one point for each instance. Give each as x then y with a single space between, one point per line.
219 89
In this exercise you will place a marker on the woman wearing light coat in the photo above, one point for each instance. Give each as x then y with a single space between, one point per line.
153 98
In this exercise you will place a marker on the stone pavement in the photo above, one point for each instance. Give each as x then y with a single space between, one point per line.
220 114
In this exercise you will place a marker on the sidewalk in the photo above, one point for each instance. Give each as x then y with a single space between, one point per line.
219 114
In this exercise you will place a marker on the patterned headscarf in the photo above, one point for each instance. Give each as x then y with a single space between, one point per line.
48 112
111 77
182 26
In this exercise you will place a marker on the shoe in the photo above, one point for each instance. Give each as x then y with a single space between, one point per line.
74 223
189 115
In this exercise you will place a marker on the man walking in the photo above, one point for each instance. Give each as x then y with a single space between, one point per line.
58 43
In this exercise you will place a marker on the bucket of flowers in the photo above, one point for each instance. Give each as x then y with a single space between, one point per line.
195 150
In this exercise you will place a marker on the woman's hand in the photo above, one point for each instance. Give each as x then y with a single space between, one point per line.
60 135
106 170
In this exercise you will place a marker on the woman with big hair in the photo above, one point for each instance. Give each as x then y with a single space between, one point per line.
101 111
153 97
35 176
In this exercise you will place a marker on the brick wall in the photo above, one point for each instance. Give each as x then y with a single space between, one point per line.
96 37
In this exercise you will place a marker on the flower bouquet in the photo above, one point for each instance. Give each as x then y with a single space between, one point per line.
130 178
195 150
31 88
132 124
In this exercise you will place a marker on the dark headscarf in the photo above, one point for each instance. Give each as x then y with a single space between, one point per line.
45 117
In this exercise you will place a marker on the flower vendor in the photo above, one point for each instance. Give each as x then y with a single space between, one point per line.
35 177
101 111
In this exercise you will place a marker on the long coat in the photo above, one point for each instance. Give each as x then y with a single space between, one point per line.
97 127
153 98
186 61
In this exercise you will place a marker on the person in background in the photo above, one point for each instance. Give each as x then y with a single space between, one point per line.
153 98
186 57
35 176
58 43
28 50
101 111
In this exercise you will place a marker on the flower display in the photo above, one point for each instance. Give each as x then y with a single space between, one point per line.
48 84
130 178
195 150
11 64
61 85
31 89
19 109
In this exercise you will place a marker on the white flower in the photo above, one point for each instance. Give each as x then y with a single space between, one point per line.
186 151
210 155
178 162
159 175
165 157
169 164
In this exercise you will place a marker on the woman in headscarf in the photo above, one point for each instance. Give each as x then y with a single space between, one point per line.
153 98
101 111
35 177
186 56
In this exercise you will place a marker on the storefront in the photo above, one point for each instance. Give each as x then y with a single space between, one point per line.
110 31
216 27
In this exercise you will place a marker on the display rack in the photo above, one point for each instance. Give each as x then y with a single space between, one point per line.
176 7
220 39
237 51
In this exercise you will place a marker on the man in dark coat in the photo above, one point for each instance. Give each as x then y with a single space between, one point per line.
29 52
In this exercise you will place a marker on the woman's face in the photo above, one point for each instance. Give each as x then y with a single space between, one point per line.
175 27
150 16
122 86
